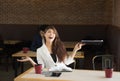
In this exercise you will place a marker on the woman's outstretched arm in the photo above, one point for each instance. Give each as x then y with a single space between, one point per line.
77 47
27 58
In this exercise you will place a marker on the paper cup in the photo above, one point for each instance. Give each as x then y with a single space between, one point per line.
38 68
108 73
25 49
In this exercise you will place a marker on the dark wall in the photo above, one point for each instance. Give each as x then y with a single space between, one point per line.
66 32
18 32
114 44
78 32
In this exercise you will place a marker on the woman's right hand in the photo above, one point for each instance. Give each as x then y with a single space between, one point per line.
27 58
24 59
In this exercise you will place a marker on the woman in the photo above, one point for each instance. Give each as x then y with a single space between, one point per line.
52 54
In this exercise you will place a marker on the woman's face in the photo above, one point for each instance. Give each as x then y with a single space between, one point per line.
50 35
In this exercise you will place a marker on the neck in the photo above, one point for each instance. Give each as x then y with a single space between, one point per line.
49 46
48 43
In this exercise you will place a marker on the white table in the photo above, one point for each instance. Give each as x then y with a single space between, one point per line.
76 75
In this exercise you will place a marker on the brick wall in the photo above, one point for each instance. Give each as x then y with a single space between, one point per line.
55 11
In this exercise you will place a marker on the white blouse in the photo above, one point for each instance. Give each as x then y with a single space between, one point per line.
44 58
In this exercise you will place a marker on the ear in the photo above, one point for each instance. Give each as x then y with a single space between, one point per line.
42 33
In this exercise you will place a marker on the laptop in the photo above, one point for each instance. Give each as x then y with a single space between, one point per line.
92 42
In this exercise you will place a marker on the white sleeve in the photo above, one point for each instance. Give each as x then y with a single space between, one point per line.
68 60
39 58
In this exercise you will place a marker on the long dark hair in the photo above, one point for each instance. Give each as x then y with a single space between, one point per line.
58 47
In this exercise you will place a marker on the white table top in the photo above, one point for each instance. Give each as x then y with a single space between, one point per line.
76 75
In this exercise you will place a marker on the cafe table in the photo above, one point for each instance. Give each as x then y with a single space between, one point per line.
75 75
79 55
70 44
33 54
12 42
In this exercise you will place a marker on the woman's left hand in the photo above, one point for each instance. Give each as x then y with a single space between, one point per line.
78 46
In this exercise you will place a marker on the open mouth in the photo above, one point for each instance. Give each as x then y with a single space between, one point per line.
50 37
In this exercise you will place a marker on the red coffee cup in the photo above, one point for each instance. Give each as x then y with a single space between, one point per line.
25 49
108 73
38 68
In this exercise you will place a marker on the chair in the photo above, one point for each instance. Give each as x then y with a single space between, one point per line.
105 60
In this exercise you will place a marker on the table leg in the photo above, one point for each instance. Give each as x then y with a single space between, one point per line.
22 67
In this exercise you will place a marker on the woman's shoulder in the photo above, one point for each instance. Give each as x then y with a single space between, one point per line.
41 48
